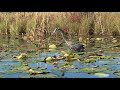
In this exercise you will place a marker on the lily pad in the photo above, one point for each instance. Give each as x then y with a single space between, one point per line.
101 75
24 77
52 50
42 71
73 70
102 57
80 53
65 65
10 71
22 56
117 73
89 60
22 68
94 69
47 76
34 61
117 63
1 76
53 46
48 59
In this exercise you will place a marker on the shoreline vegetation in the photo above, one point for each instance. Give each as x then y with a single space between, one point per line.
78 23
38 26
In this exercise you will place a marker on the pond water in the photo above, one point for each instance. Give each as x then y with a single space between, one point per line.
96 62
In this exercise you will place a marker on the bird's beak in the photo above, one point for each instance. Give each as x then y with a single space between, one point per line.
53 32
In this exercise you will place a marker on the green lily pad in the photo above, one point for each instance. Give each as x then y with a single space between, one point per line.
49 59
10 71
22 68
117 73
89 60
1 76
117 63
80 53
73 70
34 61
3 66
52 50
73 59
94 69
77 56
57 68
48 76
105 61
102 57
24 77
101 75
108 57
66 65
42 71
105 57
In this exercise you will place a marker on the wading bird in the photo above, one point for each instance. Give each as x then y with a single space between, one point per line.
75 47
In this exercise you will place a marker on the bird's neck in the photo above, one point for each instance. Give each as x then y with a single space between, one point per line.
68 43
63 36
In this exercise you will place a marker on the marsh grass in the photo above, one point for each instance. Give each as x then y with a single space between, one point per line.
39 25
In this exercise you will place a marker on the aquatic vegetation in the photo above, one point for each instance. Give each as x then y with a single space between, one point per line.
22 56
51 50
116 63
25 76
74 70
102 57
91 60
102 75
117 73
80 53
64 52
34 61
66 55
108 57
26 52
49 59
94 69
47 76
65 65
105 57
62 60
1 76
10 71
38 71
33 72
53 46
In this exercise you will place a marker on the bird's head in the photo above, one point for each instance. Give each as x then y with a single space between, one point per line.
56 30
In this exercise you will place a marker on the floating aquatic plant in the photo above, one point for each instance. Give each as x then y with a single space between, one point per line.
53 46
100 74
22 56
94 69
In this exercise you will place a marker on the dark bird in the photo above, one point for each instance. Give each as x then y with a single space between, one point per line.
75 47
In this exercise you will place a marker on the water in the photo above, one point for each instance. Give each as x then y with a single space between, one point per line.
10 67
